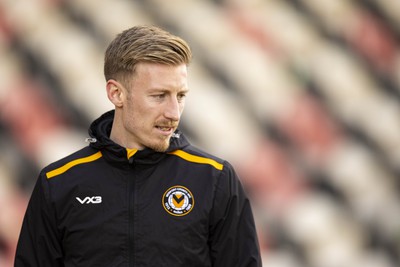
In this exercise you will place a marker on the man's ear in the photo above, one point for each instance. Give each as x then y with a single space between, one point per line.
115 92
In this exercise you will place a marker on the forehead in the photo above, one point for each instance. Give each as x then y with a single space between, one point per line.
160 76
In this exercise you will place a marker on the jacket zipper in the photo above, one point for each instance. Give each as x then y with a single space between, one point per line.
131 206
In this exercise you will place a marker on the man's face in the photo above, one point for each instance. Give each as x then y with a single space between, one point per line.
153 105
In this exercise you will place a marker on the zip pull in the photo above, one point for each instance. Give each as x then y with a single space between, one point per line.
176 135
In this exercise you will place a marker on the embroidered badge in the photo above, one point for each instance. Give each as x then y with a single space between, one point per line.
178 200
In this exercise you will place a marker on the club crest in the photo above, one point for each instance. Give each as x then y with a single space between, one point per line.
178 200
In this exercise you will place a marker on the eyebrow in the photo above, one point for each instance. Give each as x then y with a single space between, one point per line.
160 90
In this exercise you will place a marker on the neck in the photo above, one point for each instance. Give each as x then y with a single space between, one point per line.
119 136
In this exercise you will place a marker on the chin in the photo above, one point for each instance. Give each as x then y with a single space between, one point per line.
160 146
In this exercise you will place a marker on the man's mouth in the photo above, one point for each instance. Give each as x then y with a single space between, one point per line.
164 128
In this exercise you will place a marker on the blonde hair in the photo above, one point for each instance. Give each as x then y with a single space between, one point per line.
143 44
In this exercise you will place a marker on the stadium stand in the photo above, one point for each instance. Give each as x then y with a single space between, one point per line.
302 96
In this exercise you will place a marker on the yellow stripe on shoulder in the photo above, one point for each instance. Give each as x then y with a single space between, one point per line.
71 164
197 159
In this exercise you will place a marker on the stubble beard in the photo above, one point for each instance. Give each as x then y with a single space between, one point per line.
164 141
161 146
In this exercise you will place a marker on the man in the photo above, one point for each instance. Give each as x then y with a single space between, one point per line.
140 194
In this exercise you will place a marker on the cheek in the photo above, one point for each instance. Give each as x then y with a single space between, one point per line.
132 117
181 107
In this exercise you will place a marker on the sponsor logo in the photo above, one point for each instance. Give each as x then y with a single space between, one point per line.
178 200
90 200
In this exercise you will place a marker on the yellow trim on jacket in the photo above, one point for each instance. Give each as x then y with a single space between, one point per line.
197 159
71 164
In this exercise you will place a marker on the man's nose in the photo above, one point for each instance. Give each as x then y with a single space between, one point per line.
173 109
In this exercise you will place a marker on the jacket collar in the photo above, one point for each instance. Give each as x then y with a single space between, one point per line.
100 130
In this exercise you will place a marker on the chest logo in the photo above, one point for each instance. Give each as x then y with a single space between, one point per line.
90 200
178 200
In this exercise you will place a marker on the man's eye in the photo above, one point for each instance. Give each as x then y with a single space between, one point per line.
159 96
181 96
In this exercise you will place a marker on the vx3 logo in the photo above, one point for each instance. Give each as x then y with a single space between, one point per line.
90 200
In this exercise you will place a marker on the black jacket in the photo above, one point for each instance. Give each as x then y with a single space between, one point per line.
107 206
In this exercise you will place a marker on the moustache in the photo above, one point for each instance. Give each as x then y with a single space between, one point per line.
167 124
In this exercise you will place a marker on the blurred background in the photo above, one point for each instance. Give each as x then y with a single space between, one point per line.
301 96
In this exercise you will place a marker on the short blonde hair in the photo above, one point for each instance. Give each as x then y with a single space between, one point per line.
143 44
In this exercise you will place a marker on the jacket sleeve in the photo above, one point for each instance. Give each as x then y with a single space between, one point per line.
233 238
39 241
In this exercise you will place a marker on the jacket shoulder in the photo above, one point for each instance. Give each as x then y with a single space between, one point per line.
82 156
195 155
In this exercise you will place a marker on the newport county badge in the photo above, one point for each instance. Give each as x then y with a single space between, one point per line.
178 200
